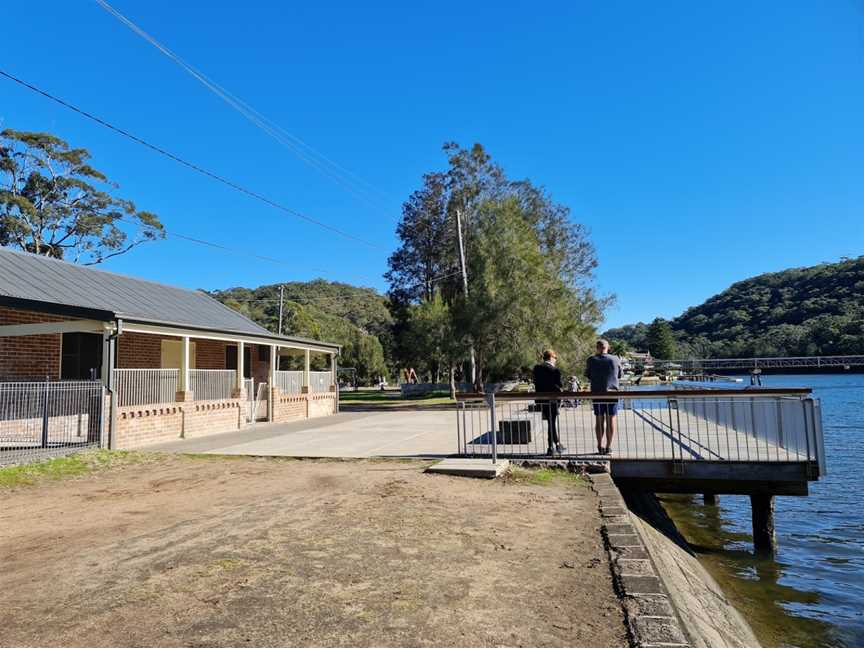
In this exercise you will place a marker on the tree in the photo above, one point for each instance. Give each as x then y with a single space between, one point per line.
530 268
49 206
619 347
365 354
816 310
661 340
436 345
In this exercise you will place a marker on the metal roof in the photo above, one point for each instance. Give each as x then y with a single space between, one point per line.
38 280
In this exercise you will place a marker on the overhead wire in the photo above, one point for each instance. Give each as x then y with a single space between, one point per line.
349 180
188 164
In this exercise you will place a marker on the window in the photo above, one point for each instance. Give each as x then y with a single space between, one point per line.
81 356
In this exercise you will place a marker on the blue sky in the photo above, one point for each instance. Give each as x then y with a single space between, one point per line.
701 143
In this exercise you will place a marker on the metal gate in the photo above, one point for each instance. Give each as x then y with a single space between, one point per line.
47 419
256 401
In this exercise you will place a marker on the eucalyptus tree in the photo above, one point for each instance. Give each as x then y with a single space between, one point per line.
529 267
54 203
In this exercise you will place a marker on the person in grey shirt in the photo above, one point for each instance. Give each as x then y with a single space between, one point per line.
604 371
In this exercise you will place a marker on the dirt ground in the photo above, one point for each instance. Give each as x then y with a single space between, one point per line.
254 552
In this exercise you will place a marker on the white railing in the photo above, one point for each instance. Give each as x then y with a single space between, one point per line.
320 381
289 382
212 384
732 426
145 386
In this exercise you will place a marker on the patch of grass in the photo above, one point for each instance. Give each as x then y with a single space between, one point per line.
393 398
73 465
228 564
545 477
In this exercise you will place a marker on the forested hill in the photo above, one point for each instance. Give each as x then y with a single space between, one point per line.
816 310
356 318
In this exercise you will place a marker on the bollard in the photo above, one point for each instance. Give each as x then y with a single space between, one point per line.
494 428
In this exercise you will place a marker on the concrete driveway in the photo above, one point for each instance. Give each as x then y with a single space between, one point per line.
350 434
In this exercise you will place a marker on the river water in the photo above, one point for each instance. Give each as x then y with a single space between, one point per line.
812 593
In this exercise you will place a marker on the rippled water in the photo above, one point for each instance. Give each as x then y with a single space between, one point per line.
812 593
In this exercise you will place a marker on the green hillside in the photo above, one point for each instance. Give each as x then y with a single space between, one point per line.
816 310
357 318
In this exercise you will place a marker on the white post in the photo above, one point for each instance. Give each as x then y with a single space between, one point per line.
307 382
334 371
239 380
183 383
335 382
274 359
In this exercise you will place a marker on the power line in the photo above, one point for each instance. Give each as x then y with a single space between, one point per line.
231 250
301 149
187 164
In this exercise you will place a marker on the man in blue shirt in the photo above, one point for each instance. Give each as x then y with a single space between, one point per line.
604 370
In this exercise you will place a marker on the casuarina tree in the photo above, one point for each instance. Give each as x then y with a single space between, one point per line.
661 340
52 202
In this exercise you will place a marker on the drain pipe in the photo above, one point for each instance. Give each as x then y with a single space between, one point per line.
109 385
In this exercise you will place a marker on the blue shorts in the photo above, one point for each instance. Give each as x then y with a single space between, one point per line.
609 408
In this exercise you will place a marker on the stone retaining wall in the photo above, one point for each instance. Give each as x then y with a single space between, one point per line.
669 599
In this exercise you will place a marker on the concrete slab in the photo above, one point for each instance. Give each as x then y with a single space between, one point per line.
483 468
348 435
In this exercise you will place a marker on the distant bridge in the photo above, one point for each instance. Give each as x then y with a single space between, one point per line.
719 364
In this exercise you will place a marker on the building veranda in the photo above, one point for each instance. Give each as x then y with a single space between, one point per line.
93 358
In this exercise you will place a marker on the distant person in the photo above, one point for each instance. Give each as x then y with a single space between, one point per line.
547 379
572 386
604 371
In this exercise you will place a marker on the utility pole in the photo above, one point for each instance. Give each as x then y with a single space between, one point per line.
281 299
465 285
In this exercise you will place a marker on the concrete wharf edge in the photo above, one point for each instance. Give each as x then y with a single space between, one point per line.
651 616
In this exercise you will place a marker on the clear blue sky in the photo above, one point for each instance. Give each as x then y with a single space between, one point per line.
701 142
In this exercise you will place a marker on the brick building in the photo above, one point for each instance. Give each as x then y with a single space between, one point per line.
176 363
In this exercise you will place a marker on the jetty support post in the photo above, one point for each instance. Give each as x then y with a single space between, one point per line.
762 510
710 499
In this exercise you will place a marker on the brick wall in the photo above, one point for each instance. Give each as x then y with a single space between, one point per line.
31 356
288 407
210 354
138 426
321 404
143 425
209 417
139 351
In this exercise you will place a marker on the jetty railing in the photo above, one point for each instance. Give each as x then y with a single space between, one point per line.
749 425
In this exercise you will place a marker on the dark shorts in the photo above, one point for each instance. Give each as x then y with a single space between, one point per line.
603 408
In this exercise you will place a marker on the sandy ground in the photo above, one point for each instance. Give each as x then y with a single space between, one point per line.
252 552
